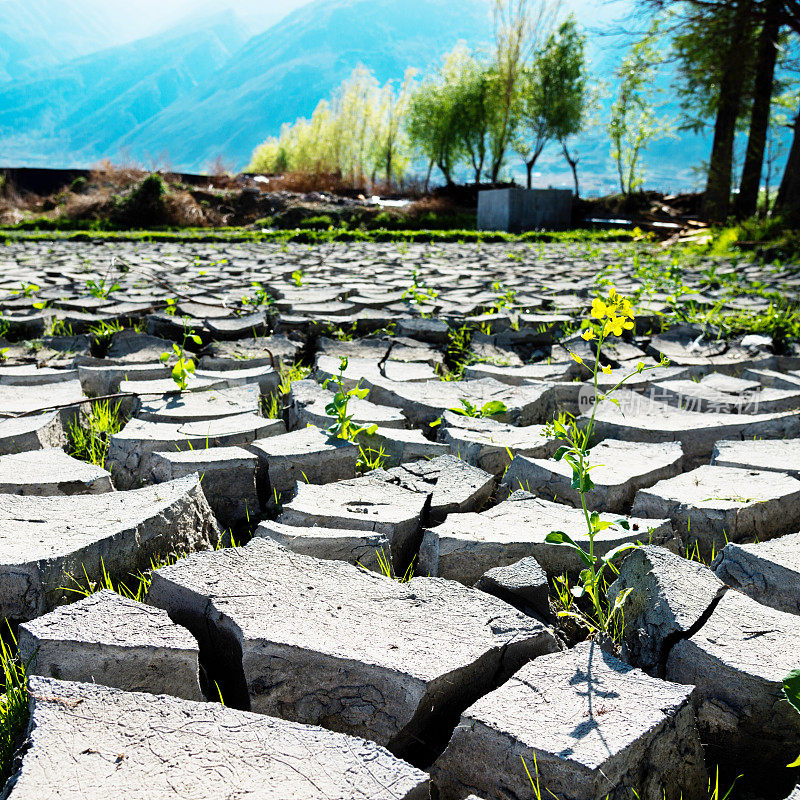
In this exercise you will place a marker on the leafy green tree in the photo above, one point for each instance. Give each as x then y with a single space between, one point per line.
434 125
519 26
390 137
553 94
634 123
472 98
727 52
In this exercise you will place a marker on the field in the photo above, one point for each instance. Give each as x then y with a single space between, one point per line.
398 514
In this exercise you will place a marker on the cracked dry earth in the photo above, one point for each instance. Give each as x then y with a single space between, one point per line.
338 681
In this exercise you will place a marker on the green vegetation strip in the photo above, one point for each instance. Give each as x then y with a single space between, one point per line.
27 232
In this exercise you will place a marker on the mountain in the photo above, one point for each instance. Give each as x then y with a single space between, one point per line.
206 87
284 72
79 112
36 34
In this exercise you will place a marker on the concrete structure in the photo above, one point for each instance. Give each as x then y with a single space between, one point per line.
516 210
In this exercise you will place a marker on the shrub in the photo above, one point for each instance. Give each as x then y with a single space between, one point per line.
78 186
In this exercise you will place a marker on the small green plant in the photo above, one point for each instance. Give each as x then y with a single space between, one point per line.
417 294
504 297
101 334
290 374
494 408
607 318
260 296
297 277
27 290
59 328
89 441
136 586
369 458
100 289
342 427
387 570
184 366
172 306
13 702
791 692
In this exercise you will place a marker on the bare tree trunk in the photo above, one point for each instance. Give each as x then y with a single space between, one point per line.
747 200
529 166
788 201
573 164
428 176
718 186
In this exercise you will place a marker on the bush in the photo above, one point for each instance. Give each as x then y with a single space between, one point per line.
78 186
319 223
146 205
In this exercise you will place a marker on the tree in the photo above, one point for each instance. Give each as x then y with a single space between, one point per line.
590 106
518 28
472 98
432 125
390 133
767 57
787 203
553 95
728 50
634 124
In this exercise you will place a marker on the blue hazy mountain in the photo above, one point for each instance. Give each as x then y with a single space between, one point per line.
79 111
205 87
36 34
282 73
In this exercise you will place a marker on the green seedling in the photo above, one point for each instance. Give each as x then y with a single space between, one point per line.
184 366
387 570
260 297
27 290
13 702
342 427
297 277
89 441
100 289
607 318
494 408
417 293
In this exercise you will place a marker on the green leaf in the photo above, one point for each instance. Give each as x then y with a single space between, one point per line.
196 339
493 408
370 430
623 523
621 597
165 357
343 364
361 394
791 689
559 537
619 550
561 452
435 423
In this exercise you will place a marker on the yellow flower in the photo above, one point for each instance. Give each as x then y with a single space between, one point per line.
625 308
576 357
606 370
599 308
613 326
613 295
588 334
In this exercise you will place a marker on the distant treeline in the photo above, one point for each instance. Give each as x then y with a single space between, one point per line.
736 73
